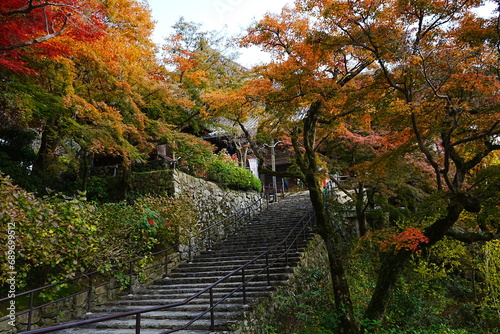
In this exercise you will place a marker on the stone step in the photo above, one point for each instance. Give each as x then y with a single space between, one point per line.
159 300
221 272
223 307
247 256
210 280
207 266
249 247
162 325
223 287
224 261
169 315
149 326
182 296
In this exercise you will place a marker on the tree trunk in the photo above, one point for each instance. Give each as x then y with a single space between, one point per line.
46 153
309 167
394 263
342 296
360 210
389 271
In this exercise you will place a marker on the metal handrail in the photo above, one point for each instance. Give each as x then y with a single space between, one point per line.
306 221
236 217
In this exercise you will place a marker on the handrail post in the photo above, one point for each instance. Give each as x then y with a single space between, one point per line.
30 314
244 286
212 313
209 239
295 240
138 323
89 299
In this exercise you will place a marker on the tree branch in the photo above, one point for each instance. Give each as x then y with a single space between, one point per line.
36 40
424 150
354 72
29 7
470 237
491 132
259 156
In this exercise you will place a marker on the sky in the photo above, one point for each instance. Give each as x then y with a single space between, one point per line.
230 17
227 16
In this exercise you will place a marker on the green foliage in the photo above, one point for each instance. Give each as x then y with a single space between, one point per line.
61 237
307 310
55 237
490 269
197 159
232 177
438 293
150 224
194 154
17 155
437 329
305 305
97 189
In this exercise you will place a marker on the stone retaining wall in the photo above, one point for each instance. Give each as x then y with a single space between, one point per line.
212 203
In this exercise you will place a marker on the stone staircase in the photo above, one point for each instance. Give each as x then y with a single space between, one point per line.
256 236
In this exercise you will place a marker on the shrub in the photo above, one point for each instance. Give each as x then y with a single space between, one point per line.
59 237
150 224
232 177
55 238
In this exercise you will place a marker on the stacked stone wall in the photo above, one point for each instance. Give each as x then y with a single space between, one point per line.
212 203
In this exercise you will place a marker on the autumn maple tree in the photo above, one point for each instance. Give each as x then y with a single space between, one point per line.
198 63
420 72
93 88
444 88
35 24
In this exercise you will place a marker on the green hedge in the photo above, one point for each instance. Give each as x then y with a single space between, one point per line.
232 177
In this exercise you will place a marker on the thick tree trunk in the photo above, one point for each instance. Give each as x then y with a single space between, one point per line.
46 153
309 167
342 296
394 263
389 271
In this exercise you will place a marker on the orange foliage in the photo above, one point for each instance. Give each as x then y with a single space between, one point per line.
411 239
33 28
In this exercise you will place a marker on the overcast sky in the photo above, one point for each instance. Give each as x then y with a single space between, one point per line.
228 16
